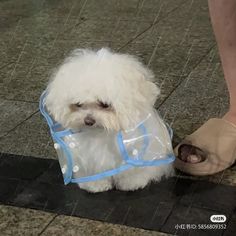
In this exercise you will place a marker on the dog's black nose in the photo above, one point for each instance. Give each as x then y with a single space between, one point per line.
89 121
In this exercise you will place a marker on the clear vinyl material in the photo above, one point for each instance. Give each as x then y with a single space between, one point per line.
94 154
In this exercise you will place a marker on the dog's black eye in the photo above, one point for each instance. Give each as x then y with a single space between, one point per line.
104 105
78 104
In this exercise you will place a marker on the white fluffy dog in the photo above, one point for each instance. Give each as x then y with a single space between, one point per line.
108 91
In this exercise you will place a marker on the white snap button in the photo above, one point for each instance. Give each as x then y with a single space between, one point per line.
75 168
56 146
72 145
135 152
63 170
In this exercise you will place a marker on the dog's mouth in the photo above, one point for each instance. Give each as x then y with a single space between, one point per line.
91 127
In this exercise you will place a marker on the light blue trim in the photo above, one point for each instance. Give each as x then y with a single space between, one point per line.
68 175
129 161
57 137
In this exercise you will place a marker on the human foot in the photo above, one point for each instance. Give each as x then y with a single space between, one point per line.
230 117
210 149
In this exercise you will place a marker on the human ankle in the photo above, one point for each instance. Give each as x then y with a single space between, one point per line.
230 116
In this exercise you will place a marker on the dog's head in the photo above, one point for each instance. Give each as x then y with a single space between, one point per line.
100 89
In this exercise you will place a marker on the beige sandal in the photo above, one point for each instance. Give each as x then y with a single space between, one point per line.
211 149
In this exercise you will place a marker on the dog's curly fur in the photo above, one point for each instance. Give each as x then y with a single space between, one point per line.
102 89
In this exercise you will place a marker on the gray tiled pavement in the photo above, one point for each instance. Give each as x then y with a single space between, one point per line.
174 37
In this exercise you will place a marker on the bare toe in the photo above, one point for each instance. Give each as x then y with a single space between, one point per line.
191 154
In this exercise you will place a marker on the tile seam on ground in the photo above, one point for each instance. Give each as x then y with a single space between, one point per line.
19 124
185 77
150 26
16 100
48 224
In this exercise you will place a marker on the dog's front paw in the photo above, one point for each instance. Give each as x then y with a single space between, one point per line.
97 186
131 181
131 185
140 177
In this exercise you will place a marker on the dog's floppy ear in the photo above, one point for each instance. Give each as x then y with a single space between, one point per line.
147 87
150 91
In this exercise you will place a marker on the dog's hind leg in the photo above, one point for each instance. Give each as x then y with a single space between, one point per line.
139 177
